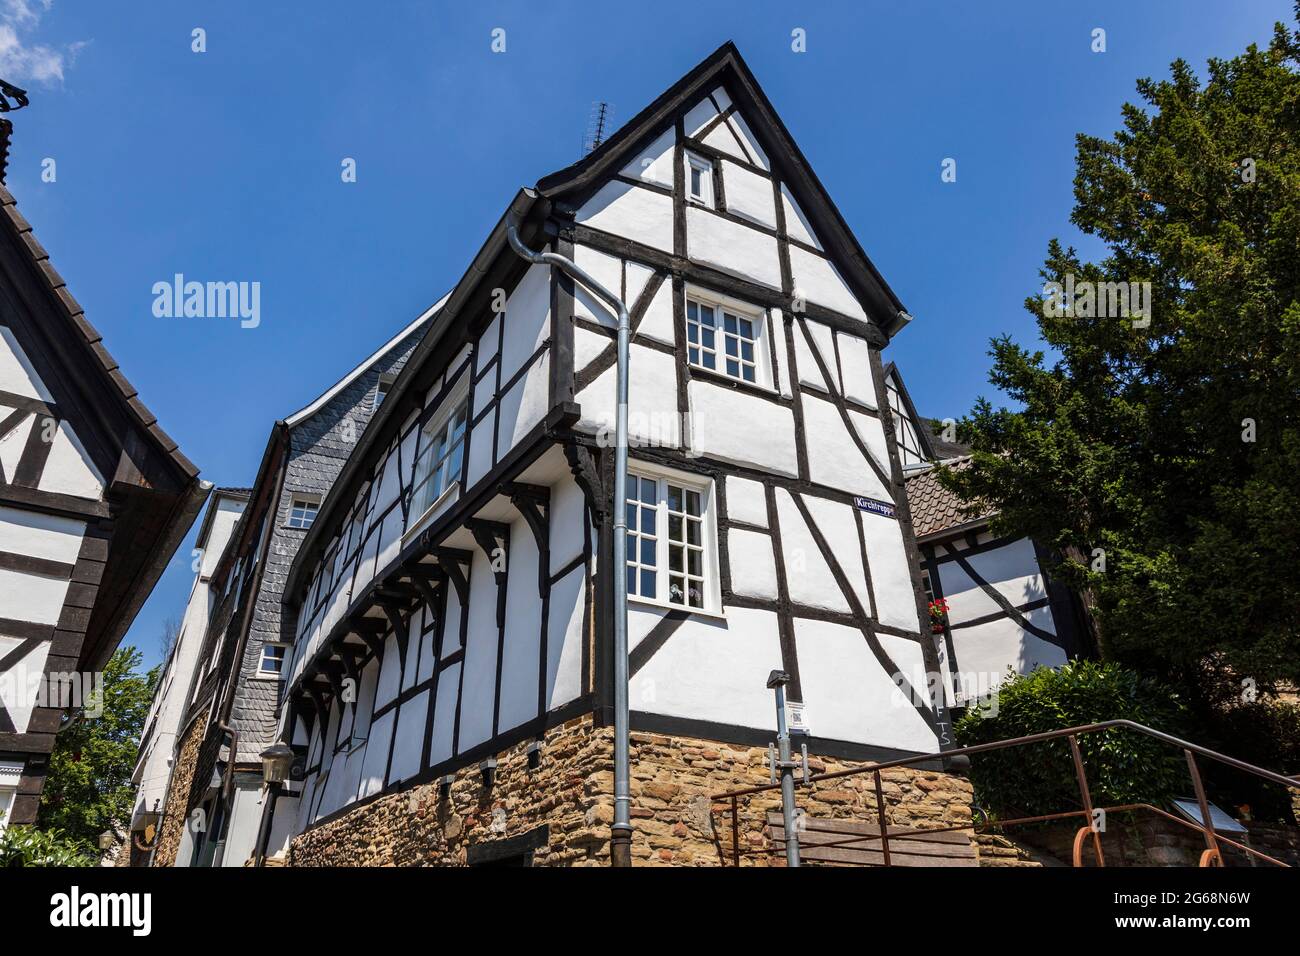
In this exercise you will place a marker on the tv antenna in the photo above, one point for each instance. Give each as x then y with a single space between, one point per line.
598 126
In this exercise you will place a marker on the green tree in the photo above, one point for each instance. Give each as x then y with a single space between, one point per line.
1163 459
89 783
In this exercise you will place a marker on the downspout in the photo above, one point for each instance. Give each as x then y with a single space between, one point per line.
621 830
255 586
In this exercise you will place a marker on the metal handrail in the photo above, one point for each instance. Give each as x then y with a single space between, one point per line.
1190 750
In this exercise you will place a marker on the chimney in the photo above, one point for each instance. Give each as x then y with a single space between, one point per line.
8 93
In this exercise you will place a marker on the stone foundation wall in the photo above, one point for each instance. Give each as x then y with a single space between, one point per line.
571 792
178 795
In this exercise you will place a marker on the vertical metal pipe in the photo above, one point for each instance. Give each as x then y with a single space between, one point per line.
1211 843
1086 797
787 779
621 829
880 814
735 832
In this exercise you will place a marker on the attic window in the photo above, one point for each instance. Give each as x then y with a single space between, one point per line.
302 511
699 180
381 390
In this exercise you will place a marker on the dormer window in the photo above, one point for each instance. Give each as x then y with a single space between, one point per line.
381 390
699 180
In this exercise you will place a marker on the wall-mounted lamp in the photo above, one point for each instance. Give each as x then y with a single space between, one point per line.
488 768
534 755
444 786
277 759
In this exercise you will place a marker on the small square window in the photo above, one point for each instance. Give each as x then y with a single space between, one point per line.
302 511
699 180
723 339
272 661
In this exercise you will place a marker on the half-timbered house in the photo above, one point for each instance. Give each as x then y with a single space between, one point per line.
94 498
1006 613
451 608
213 806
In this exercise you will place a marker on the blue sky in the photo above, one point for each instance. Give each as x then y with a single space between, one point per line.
225 165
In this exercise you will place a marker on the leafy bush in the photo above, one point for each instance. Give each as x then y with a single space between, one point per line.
1265 732
1122 766
27 846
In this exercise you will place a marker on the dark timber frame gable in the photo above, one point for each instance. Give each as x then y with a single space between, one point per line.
151 490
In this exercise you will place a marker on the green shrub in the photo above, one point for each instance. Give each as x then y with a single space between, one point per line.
1265 732
1122 766
27 846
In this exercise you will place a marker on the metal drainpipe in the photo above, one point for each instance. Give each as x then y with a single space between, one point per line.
621 830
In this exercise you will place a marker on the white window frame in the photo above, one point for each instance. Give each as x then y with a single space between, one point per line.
262 672
301 501
722 306
711 569
447 412
694 161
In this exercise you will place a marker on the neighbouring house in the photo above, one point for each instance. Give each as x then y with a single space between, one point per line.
212 808
449 685
94 499
153 768
1005 612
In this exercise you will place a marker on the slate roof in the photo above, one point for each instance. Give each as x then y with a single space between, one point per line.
934 508
87 334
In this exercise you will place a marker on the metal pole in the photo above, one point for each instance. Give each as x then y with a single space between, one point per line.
880 814
777 681
1086 797
621 829
1211 842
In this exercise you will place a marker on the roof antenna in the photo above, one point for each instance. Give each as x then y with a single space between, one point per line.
598 125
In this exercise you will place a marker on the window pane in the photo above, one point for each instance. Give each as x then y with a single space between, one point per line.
648 492
631 581
733 368
675 558
631 547
647 584
674 498
648 551
707 339
631 517
648 520
693 502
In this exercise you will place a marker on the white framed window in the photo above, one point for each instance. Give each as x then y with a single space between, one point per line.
302 511
727 337
699 180
382 389
274 655
10 772
672 540
442 452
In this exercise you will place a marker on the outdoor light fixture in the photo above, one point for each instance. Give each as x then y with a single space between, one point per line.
444 786
488 768
534 755
277 759
107 840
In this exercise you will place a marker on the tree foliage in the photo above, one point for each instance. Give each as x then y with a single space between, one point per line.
1171 452
88 787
